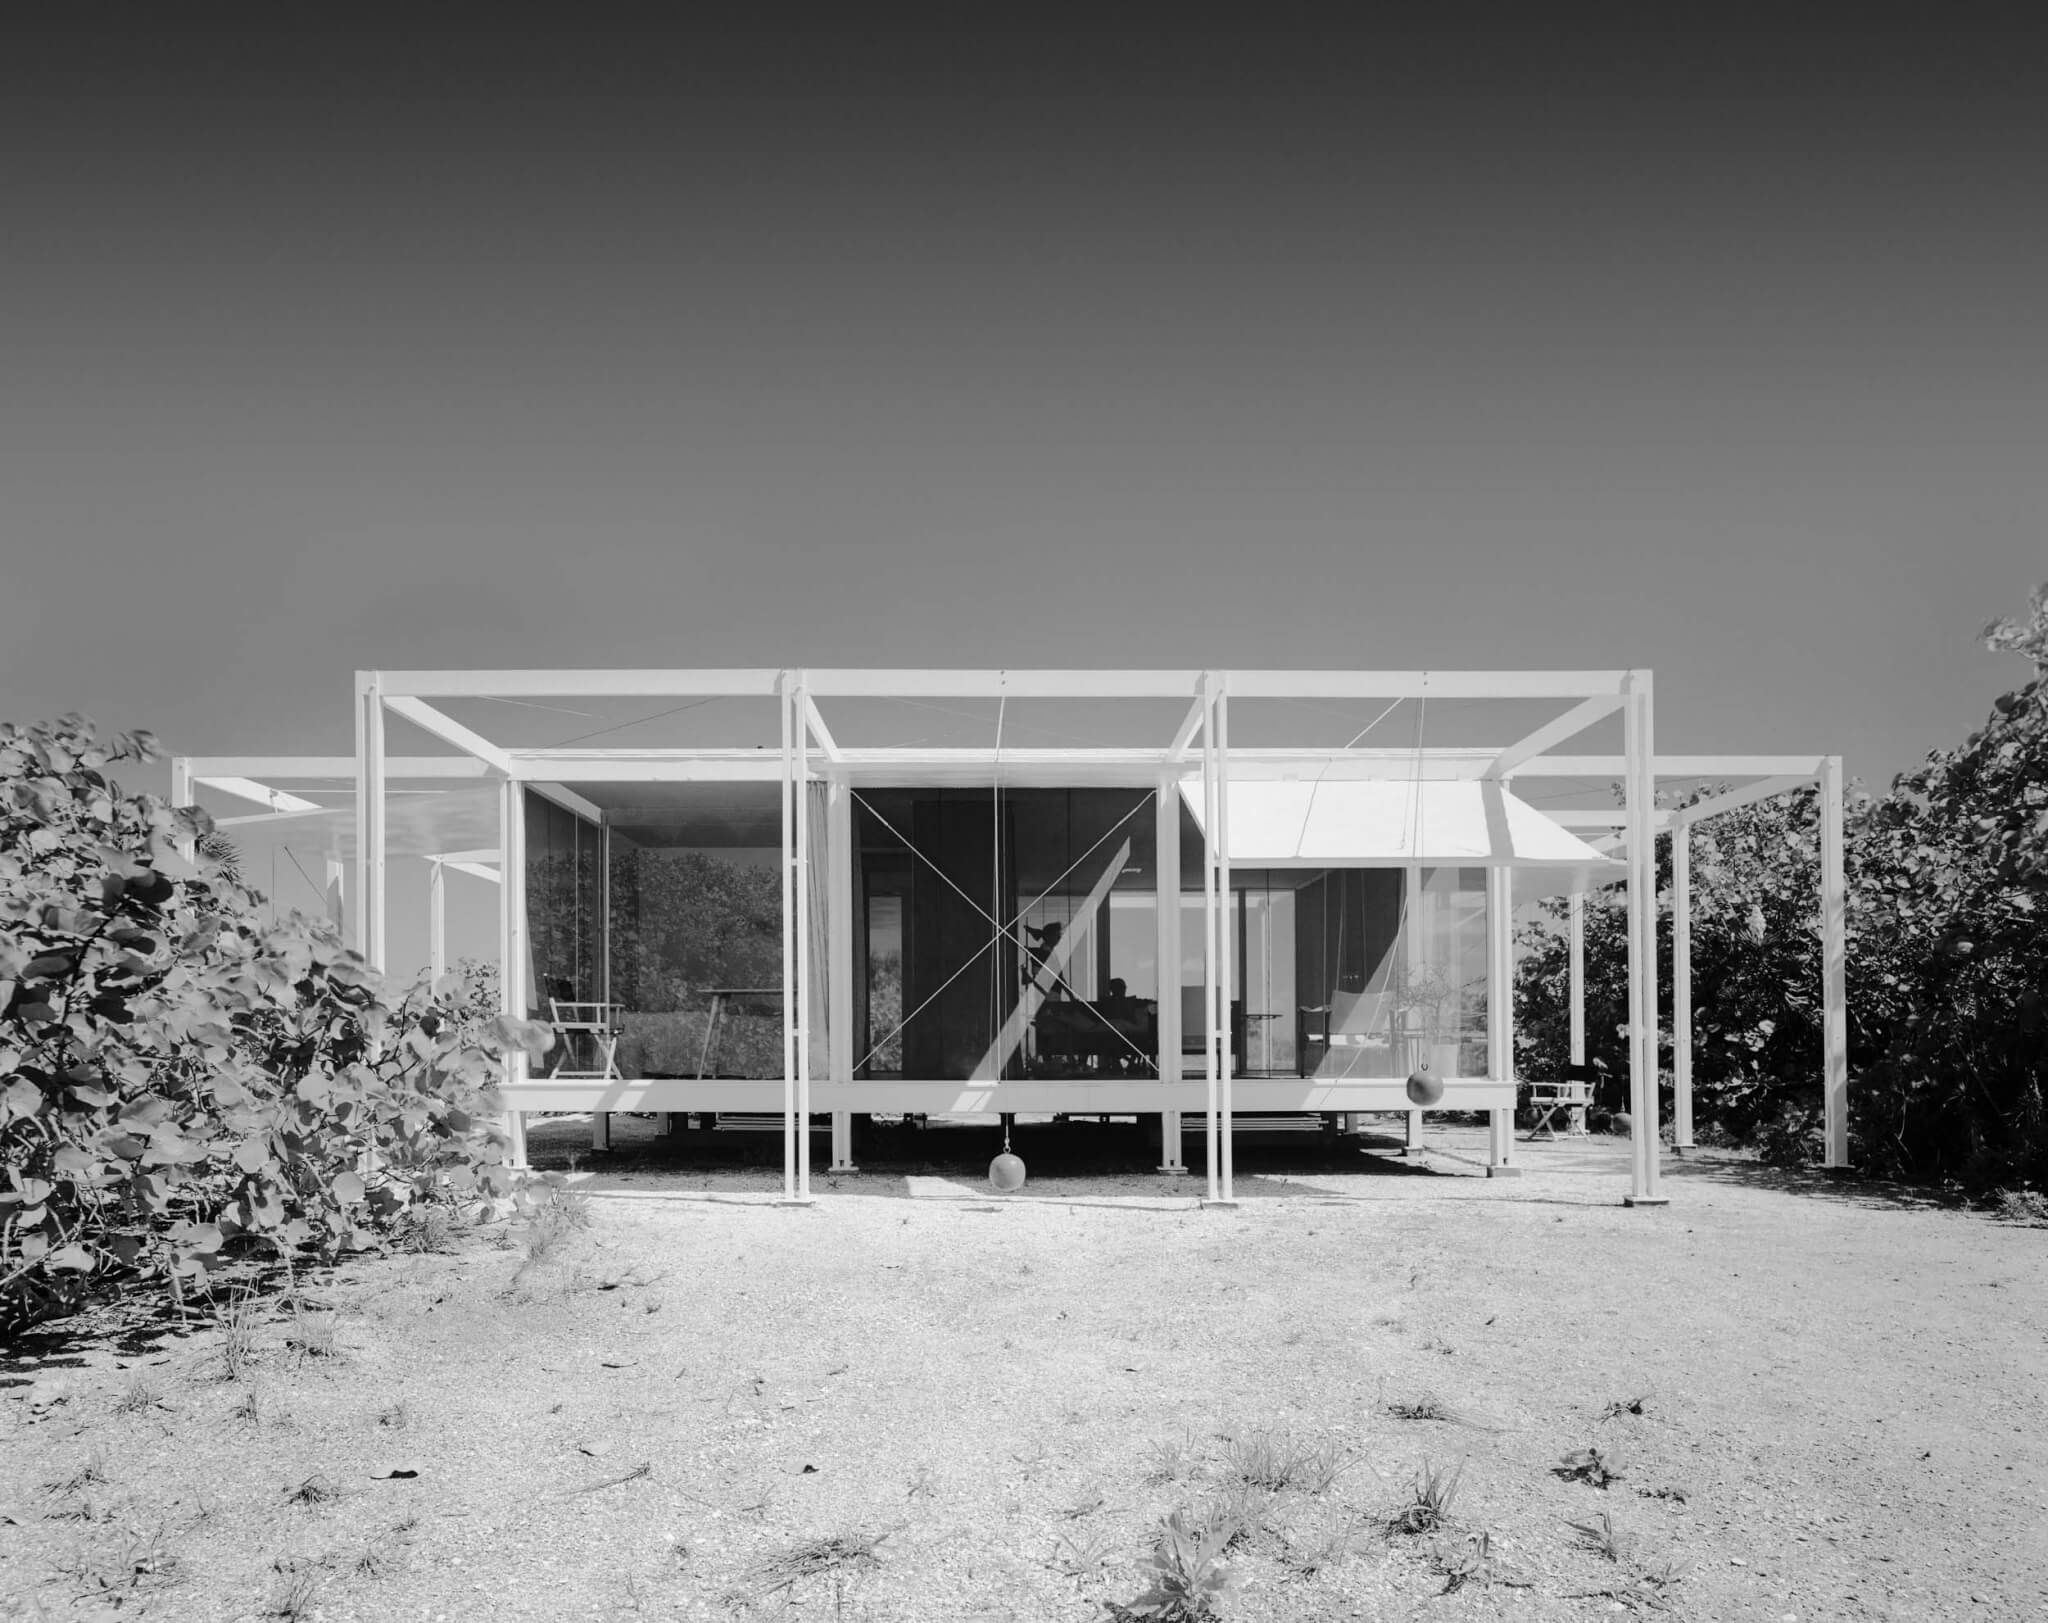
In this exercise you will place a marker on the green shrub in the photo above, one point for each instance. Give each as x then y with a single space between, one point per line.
178 1074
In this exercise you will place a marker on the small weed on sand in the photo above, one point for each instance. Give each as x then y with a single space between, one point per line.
315 1490
237 1324
1171 1459
137 1561
89 1473
1430 1498
1587 1465
139 1396
1270 1459
1191 1582
312 1334
1599 1536
1622 1406
293 1593
1478 1564
839 1560
397 1417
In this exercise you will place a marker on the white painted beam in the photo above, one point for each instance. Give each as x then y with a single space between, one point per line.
1413 684
566 798
1748 795
1190 725
582 684
335 768
1640 794
261 793
1574 721
448 730
1681 986
819 730
1673 766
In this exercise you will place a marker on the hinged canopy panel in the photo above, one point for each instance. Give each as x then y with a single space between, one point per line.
1339 823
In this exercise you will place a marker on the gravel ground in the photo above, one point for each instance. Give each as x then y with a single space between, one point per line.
704 1393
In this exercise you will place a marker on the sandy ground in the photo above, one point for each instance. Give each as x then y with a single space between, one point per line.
1844 1411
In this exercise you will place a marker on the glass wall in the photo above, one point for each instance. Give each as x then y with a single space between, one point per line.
1004 933
564 905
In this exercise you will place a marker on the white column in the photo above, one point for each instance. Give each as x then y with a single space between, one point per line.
1681 986
1639 796
1575 958
801 799
1209 934
437 921
369 819
1166 895
782 689
1226 939
181 795
512 940
1834 935
1500 1015
839 990
1411 961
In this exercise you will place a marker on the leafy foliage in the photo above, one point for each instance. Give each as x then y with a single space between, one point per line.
1947 960
178 1075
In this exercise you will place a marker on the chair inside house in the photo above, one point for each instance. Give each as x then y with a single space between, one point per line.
586 1039
1569 1091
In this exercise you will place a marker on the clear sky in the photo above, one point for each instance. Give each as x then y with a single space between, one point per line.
329 343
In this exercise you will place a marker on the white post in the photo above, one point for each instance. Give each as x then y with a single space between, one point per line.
1166 935
801 798
1411 960
1209 932
1226 934
512 940
1639 796
370 819
839 860
1500 1015
181 795
1681 987
1575 957
1834 934
437 921
782 688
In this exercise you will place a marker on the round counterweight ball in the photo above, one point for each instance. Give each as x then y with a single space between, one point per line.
1425 1087
1006 1173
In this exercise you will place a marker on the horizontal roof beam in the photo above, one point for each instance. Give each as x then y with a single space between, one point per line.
580 684
1673 766
1748 795
340 768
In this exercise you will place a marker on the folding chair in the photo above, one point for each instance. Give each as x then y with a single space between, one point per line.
587 1050
1570 1092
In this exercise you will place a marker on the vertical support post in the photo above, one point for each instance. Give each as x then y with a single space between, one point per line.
181 795
1575 958
839 859
437 920
1411 961
1681 986
1166 893
512 940
1500 1015
1209 929
1639 804
370 818
1226 937
1834 935
782 690
801 798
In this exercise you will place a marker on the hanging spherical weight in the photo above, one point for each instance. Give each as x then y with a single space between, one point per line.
1425 1087
1006 1173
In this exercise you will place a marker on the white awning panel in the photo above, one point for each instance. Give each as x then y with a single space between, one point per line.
1340 823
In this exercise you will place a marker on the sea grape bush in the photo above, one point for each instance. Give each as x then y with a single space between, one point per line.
1947 960
179 1075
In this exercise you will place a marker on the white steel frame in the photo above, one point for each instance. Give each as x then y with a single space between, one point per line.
809 751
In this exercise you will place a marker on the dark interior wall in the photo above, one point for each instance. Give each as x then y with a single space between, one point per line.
563 902
947 1035
1346 924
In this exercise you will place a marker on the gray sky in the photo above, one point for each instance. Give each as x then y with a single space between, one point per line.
330 346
